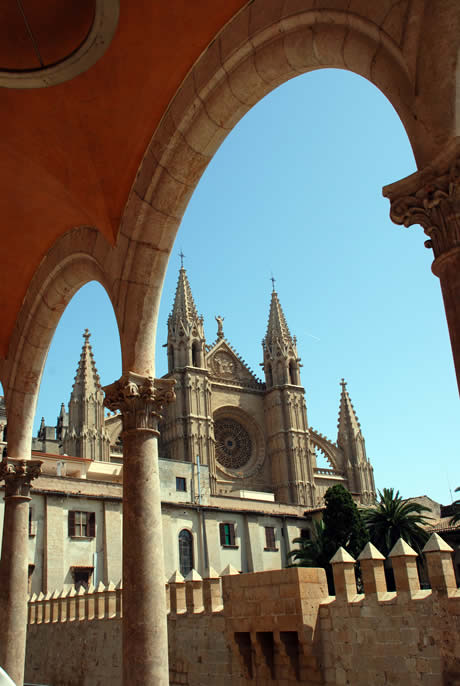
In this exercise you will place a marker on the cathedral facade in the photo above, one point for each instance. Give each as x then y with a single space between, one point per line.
254 435
238 462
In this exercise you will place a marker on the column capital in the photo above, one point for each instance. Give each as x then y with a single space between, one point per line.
17 475
431 198
140 400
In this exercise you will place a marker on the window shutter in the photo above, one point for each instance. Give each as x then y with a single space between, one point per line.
71 523
232 534
91 524
222 533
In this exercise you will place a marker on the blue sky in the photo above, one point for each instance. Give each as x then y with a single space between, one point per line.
295 190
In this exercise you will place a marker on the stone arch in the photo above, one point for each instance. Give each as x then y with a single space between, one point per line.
68 266
258 50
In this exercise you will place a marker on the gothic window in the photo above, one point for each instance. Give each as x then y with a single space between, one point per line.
185 552
170 358
196 354
270 542
233 444
82 524
269 375
292 374
227 534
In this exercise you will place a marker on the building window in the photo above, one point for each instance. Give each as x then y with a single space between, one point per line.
227 534
82 524
185 552
30 571
181 484
82 577
305 533
32 523
270 542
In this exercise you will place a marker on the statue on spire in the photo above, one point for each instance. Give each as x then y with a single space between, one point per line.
220 328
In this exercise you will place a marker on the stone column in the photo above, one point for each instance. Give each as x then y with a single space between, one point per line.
17 475
145 638
431 198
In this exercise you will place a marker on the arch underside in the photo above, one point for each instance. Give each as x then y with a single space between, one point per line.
262 47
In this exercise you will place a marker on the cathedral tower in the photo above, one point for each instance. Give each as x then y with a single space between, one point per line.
186 431
86 435
350 439
292 461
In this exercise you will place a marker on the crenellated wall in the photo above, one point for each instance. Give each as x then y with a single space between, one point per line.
275 627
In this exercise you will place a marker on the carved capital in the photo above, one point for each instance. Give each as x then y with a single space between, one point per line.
431 198
139 399
18 474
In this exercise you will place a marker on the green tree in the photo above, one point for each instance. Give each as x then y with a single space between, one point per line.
393 518
455 519
341 526
310 552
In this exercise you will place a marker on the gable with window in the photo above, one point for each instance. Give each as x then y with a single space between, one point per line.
82 524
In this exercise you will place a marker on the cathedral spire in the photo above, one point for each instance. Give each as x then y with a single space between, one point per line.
186 342
184 310
87 381
280 348
86 435
348 421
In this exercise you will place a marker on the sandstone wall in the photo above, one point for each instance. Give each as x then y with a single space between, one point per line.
266 628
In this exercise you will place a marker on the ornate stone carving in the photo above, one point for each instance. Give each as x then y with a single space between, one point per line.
233 443
140 400
430 198
18 474
223 365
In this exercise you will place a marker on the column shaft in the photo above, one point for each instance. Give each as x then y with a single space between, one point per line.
145 638
14 565
145 635
447 268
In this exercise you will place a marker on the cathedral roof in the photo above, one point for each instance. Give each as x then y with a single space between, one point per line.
87 382
184 308
348 421
277 329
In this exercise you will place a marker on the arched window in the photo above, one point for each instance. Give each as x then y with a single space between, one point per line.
292 374
185 552
269 375
196 354
170 358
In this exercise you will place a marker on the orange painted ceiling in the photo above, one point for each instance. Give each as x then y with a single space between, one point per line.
69 153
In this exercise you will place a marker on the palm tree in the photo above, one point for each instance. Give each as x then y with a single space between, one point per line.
393 518
311 552
455 519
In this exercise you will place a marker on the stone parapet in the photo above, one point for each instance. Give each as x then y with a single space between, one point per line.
277 627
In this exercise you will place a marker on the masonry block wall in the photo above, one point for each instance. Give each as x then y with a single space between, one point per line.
276 627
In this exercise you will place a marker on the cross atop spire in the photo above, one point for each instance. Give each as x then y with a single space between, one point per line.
181 255
272 279
86 335
184 308
277 329
348 420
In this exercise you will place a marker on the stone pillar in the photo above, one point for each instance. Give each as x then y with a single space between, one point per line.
17 475
145 638
431 198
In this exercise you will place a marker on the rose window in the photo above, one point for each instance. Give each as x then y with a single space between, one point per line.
233 444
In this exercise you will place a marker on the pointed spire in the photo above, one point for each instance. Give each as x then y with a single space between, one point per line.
87 381
184 310
86 435
348 426
277 329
